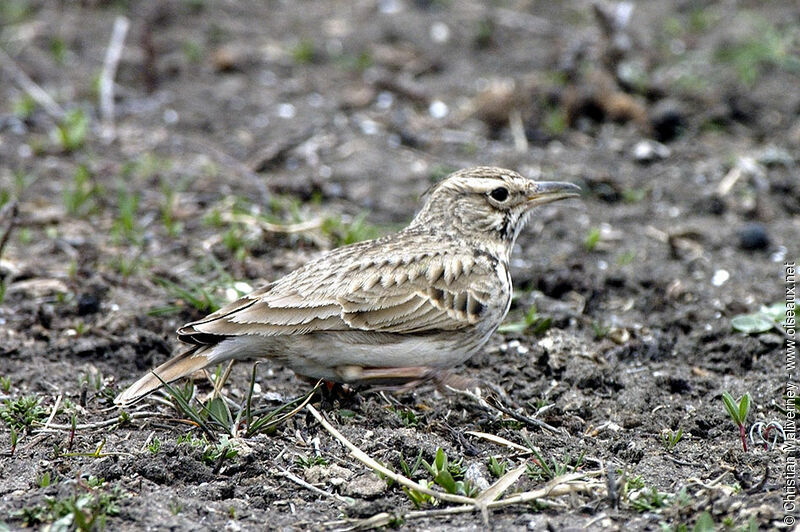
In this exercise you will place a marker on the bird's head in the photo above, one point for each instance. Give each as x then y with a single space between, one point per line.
488 204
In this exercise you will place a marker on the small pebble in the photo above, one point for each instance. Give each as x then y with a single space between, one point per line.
286 110
668 120
720 277
753 237
88 303
440 32
438 109
647 151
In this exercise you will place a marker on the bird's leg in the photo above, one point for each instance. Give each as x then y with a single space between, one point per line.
362 375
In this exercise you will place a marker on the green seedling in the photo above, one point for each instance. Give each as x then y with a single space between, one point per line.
22 413
496 468
749 57
305 52
5 382
84 512
342 233
266 420
540 469
419 498
125 224
445 474
154 446
44 480
407 416
194 295
169 199
738 411
407 470
14 440
310 461
766 319
71 132
217 453
23 107
651 500
669 438
532 321
79 199
592 239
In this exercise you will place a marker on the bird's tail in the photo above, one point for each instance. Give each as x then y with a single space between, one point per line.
173 369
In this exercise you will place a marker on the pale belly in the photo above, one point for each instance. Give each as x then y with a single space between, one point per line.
323 355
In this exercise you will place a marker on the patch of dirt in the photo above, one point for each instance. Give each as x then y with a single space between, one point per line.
328 121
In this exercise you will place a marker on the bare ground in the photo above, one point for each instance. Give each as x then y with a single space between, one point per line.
237 121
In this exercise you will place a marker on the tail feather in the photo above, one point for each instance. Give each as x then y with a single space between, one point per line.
173 369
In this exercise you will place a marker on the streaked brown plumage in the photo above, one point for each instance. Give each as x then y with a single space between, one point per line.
394 310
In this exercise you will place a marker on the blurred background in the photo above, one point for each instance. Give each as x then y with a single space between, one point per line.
160 158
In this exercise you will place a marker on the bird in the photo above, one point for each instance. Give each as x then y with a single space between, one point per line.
394 311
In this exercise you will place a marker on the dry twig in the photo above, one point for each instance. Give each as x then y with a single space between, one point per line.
30 87
113 55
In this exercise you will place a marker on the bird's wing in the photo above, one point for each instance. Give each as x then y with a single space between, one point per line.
361 288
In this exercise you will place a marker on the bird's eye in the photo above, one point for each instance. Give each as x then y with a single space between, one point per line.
499 194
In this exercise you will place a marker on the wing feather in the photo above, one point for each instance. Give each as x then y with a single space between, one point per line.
424 291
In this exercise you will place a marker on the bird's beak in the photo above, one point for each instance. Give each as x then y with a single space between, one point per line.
548 191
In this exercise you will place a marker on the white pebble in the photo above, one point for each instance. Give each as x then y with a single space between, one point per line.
438 109
286 110
720 277
440 32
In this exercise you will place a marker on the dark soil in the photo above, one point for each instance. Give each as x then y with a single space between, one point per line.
682 125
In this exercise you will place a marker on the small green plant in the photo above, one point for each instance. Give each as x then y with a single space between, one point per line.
310 461
24 107
407 470
484 33
766 319
154 446
738 411
670 438
71 133
14 440
58 49
446 473
127 265
592 239
216 453
5 384
169 199
343 233
532 321
188 439
770 48
194 295
235 241
540 469
407 416
419 498
125 224
20 414
305 52
633 195
496 468
650 500
626 258
600 330
79 199
44 480
555 121
192 50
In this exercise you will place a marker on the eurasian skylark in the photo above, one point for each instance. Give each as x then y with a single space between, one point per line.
396 310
